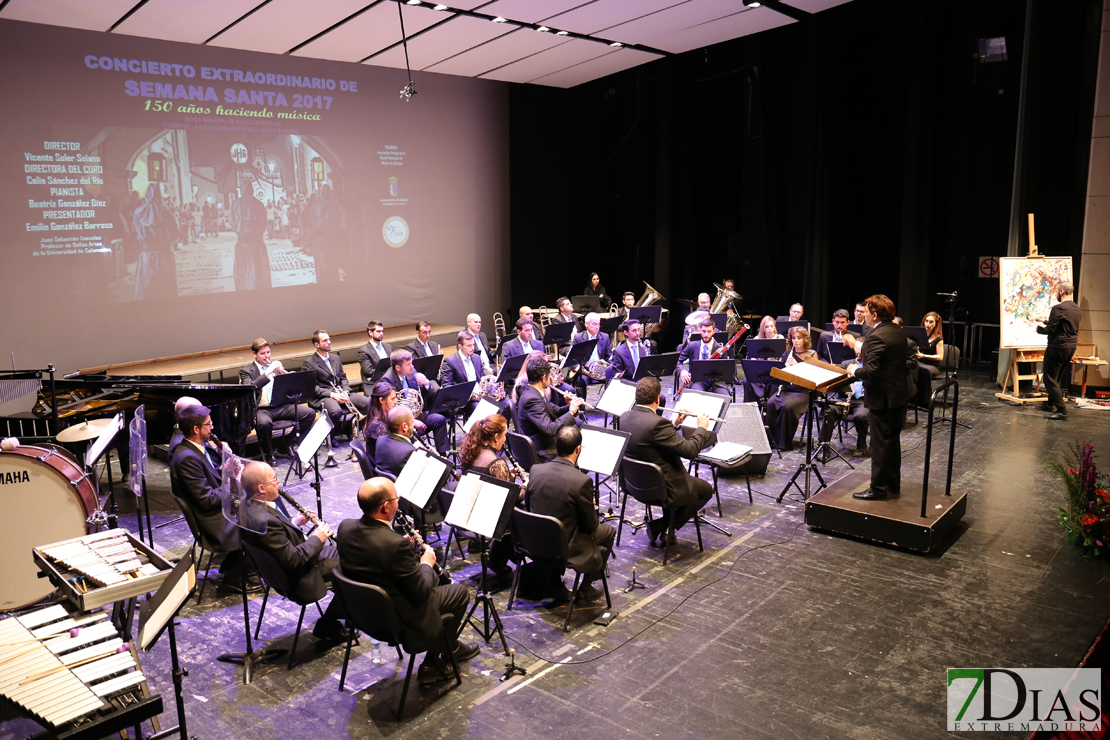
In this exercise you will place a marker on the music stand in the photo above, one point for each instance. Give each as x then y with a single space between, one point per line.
766 349
714 404
156 616
711 372
379 370
816 377
720 320
721 337
482 409
602 452
483 505
501 342
646 314
919 334
510 370
93 453
449 401
580 353
856 328
784 327
309 446
586 303
294 388
609 325
656 365
840 353
428 365
618 396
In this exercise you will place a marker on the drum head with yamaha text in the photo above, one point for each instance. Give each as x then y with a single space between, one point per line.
44 501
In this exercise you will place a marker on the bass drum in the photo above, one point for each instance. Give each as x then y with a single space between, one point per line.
46 498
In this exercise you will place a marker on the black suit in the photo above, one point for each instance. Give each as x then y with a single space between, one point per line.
306 561
329 374
561 490
392 452
368 359
265 416
197 481
693 351
454 372
418 350
1062 329
656 440
482 348
435 422
537 418
886 391
371 552
624 362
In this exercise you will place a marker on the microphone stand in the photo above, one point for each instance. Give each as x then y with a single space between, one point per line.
950 302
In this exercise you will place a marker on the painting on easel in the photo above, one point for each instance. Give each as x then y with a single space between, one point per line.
1026 294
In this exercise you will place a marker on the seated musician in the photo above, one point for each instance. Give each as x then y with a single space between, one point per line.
402 376
860 315
657 440
525 312
796 312
537 417
423 346
479 453
932 354
195 478
382 400
566 316
481 342
628 300
306 561
754 391
260 374
525 341
701 350
333 390
768 329
838 335
371 552
690 332
374 351
393 450
627 354
559 489
602 350
595 288
463 366
846 404
786 406
176 437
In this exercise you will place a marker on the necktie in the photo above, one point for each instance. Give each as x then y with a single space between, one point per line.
635 358
404 383
208 457
469 368
704 351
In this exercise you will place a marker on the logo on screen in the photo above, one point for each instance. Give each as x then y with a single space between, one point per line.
394 188
395 231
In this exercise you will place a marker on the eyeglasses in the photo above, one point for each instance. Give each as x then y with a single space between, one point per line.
207 424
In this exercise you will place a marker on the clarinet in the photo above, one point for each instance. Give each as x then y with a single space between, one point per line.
316 521
520 473
418 544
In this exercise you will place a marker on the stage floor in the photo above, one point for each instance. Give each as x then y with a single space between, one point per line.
776 631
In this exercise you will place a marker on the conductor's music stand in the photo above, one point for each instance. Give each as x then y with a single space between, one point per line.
816 377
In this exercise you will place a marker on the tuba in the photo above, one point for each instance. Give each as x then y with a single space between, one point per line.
650 297
721 303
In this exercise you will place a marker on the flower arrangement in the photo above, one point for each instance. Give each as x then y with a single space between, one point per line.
1086 513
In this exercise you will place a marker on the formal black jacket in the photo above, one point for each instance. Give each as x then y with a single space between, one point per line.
622 359
604 347
514 348
823 342
692 351
1062 326
298 556
883 368
418 350
369 357
392 452
327 372
656 440
536 418
559 489
427 394
371 552
454 371
195 480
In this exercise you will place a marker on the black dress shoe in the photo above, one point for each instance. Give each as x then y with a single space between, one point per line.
1046 406
869 495
1058 416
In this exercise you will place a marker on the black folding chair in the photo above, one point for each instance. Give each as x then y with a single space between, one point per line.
274 577
644 482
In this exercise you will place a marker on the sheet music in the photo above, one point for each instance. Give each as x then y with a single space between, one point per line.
103 440
698 404
617 398
600 451
477 505
418 479
814 373
726 452
484 408
315 437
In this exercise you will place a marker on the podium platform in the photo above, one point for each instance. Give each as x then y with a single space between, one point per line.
894 521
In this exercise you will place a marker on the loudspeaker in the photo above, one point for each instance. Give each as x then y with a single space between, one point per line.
745 426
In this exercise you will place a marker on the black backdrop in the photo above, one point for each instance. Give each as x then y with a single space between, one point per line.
863 150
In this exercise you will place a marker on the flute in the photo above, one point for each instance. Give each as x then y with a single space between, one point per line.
316 521
568 395
687 412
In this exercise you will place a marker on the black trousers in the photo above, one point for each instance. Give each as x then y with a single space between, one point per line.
886 449
336 410
452 599
267 415
1057 375
702 491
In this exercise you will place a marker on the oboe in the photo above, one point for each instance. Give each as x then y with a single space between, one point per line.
316 521
418 542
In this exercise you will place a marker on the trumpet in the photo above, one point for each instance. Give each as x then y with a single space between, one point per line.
316 521
688 412
349 405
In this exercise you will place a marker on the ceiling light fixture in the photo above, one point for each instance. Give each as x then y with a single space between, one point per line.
561 33
499 19
412 2
616 43
779 7
440 7
543 29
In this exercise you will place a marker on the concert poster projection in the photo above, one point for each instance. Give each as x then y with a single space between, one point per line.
161 198
1027 288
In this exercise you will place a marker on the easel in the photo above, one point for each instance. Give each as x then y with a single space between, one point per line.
1030 355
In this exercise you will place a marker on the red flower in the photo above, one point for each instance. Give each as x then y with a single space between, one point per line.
1088 519
1073 471
1103 494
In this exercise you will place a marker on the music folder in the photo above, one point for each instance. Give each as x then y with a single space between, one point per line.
422 476
580 353
602 449
298 387
428 365
484 408
483 504
619 396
